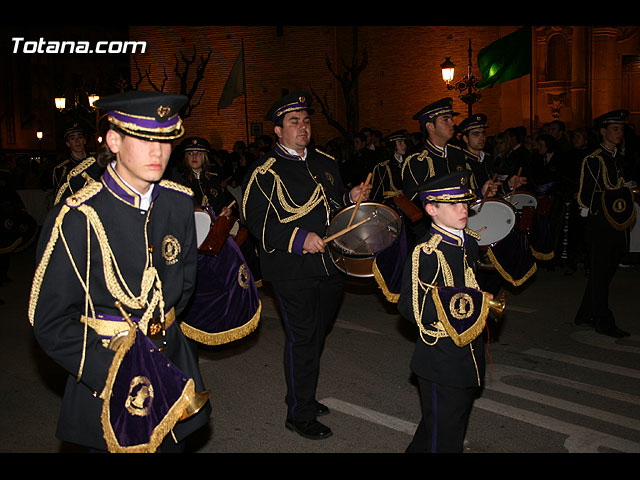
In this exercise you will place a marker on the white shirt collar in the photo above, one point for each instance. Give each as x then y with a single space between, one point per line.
293 152
145 198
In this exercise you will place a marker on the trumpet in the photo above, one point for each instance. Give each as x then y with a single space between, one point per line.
497 306
196 402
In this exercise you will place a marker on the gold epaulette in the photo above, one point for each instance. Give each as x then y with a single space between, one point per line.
77 170
178 187
421 155
430 245
472 233
63 163
382 164
260 169
325 154
91 189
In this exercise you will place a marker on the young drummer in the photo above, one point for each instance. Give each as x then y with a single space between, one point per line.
441 295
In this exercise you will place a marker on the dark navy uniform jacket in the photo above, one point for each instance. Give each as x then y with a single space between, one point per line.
163 236
284 198
431 161
442 361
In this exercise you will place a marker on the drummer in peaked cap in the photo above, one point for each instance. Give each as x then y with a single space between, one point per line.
473 132
78 168
196 173
123 247
289 198
441 296
438 155
608 204
386 178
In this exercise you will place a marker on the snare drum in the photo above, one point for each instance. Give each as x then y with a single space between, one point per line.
519 200
493 220
204 222
354 252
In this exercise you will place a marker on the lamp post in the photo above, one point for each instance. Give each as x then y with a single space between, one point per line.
467 86
78 106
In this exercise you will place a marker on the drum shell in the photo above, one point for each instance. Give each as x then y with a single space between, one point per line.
377 234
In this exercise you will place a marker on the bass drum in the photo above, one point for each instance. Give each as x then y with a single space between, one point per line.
354 252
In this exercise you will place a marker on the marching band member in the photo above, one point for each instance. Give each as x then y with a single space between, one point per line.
122 250
78 169
608 206
288 200
441 296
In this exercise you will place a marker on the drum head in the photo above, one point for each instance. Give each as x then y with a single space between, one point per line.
370 238
521 200
492 222
203 225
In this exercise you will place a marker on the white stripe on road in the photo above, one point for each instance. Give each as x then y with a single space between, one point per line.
495 382
583 362
580 439
370 415
589 337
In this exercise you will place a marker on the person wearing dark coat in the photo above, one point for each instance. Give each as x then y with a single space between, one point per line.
116 266
197 174
386 177
438 155
79 168
289 197
607 204
442 297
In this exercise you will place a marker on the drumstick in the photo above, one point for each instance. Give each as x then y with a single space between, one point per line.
495 176
359 199
480 229
514 185
343 231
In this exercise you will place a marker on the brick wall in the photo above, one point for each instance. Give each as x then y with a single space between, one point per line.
402 74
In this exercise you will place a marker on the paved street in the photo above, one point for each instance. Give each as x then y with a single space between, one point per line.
551 387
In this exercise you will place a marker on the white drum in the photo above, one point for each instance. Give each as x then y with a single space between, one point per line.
519 200
493 220
203 225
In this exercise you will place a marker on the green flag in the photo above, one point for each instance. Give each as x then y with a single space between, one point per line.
235 83
506 58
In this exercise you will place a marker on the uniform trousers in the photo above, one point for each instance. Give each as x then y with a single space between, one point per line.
605 252
445 415
309 307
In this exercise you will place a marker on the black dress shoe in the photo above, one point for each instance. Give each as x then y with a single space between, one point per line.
322 409
614 332
312 429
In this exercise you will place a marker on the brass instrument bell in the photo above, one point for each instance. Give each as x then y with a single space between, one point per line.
196 402
497 306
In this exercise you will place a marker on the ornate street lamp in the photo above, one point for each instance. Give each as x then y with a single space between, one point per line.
467 86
